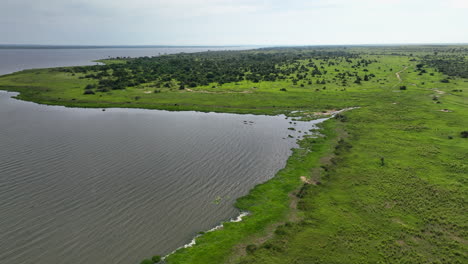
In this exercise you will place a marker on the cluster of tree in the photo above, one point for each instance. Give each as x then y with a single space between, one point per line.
452 65
200 69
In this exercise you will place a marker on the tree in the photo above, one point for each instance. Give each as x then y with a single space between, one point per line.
358 80
90 86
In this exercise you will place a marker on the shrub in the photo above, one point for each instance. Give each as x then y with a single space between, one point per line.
156 259
272 246
403 87
280 231
303 191
251 248
283 89
341 117
146 261
342 146
88 92
464 134
104 90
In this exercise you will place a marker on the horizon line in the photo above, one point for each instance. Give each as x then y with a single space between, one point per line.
38 46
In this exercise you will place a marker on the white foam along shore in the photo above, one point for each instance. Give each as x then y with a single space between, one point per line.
243 214
193 242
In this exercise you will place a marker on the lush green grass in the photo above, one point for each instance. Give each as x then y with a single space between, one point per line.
411 209
267 203
49 86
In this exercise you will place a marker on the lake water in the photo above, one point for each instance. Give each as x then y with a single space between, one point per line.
90 186
12 60
116 186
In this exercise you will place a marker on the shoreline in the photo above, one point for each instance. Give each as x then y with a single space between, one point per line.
193 242
363 190
243 213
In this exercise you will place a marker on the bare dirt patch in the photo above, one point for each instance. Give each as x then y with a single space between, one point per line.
439 91
209 92
327 113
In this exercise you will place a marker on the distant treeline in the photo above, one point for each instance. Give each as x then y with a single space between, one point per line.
452 65
216 67
297 64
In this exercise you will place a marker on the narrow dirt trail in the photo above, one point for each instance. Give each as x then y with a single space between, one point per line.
398 74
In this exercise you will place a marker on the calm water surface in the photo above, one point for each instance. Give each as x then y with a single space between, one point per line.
12 60
90 186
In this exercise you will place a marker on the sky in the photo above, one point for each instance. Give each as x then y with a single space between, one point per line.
232 22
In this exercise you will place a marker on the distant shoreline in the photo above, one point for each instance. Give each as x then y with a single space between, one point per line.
43 46
20 46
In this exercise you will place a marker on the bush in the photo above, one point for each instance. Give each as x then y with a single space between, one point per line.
283 89
403 87
341 117
251 248
342 146
156 259
104 90
272 246
146 261
464 134
88 92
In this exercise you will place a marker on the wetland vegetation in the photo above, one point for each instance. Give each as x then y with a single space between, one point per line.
383 183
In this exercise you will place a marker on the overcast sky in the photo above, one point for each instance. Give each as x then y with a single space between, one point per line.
232 22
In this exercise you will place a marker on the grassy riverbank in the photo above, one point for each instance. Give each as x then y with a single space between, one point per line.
410 208
385 184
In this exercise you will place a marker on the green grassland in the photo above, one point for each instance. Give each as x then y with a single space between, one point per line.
387 181
56 87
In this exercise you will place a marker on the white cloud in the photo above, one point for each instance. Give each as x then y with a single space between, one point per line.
233 21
